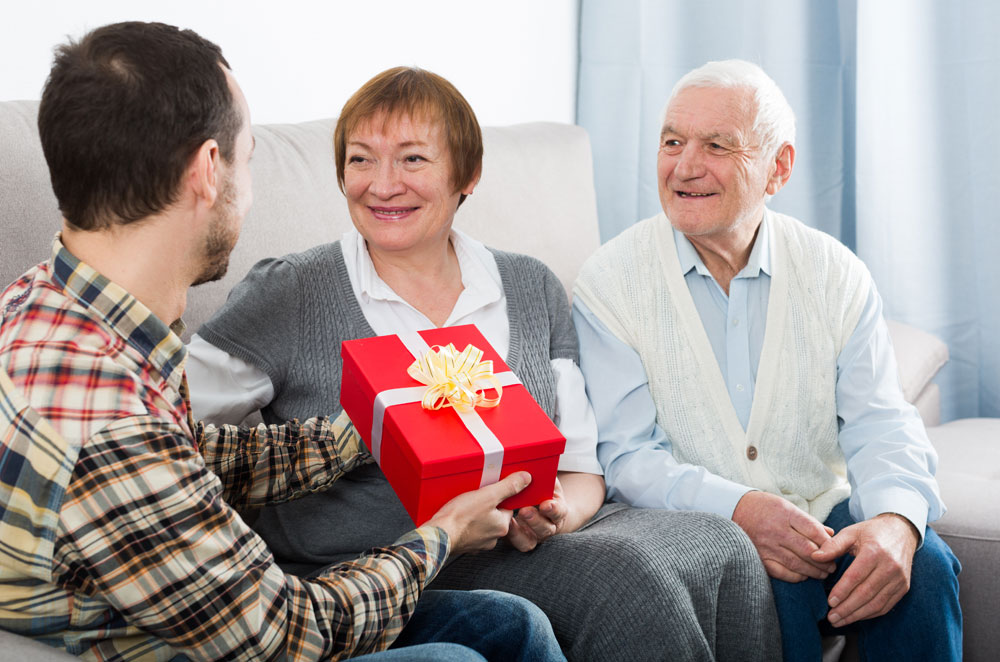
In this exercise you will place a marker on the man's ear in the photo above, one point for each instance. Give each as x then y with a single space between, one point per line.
203 172
783 163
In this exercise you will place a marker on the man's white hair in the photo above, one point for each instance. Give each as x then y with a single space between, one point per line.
775 122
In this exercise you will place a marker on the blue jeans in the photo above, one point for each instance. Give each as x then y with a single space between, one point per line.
425 653
473 625
926 624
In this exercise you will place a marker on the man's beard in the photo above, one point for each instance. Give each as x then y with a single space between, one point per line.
221 236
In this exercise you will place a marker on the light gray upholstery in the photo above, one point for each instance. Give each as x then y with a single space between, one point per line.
22 649
969 475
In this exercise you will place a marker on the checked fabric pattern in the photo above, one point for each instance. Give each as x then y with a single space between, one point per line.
119 532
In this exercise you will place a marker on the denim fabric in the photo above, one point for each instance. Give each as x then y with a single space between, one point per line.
425 653
926 624
498 626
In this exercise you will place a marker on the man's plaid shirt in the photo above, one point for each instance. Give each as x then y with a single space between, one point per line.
119 537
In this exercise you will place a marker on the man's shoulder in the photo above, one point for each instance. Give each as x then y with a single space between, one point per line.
38 315
35 282
70 366
802 237
825 270
619 252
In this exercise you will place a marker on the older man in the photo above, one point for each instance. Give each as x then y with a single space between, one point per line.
118 534
738 363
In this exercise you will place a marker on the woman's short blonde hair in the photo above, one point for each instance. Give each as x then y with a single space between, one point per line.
413 92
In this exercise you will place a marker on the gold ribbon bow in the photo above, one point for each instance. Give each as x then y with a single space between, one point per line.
451 378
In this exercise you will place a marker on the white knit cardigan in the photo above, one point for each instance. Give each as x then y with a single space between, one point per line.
634 285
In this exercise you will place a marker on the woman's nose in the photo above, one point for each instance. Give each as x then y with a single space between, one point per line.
387 181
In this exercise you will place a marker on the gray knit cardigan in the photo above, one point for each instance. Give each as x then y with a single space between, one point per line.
288 318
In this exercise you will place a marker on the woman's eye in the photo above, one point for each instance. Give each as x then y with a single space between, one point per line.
356 159
414 158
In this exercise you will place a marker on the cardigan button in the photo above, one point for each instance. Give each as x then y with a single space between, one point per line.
752 453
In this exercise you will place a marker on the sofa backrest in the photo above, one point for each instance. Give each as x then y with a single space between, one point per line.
536 196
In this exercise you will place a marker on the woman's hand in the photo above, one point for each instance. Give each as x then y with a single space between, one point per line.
534 524
575 499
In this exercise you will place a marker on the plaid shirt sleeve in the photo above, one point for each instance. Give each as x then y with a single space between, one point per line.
273 463
144 527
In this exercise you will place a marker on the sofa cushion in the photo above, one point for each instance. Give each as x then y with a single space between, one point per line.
928 404
920 355
969 475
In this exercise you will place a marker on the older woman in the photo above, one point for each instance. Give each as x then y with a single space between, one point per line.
618 583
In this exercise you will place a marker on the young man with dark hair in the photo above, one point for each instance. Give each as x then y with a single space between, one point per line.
119 536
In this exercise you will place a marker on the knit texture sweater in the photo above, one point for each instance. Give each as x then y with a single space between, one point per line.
790 447
288 318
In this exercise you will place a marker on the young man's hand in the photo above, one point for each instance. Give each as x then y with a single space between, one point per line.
473 521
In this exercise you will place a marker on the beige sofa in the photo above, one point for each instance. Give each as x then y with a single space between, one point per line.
536 197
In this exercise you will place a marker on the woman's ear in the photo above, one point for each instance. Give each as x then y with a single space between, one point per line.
473 182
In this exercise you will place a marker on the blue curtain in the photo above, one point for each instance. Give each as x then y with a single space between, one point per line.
898 138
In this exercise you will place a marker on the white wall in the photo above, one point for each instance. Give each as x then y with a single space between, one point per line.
515 61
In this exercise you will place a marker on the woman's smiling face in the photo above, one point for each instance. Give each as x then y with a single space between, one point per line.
398 182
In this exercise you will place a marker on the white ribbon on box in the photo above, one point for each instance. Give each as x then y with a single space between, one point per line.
492 448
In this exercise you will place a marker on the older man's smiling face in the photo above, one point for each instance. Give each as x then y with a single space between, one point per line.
712 174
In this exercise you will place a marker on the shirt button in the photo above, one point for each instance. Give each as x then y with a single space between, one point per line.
736 321
739 387
752 453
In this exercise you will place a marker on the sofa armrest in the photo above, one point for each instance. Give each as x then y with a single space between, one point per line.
919 355
968 475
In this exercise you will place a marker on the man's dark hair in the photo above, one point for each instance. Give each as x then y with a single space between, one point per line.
123 111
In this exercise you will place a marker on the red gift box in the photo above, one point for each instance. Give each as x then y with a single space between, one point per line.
430 456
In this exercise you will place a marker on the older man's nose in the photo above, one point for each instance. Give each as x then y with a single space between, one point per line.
386 181
690 162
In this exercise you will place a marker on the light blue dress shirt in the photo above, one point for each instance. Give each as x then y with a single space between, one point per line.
890 461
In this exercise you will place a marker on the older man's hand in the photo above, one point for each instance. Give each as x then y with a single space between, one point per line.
879 576
785 536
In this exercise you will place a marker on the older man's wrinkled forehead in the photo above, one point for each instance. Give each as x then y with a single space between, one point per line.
713 114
